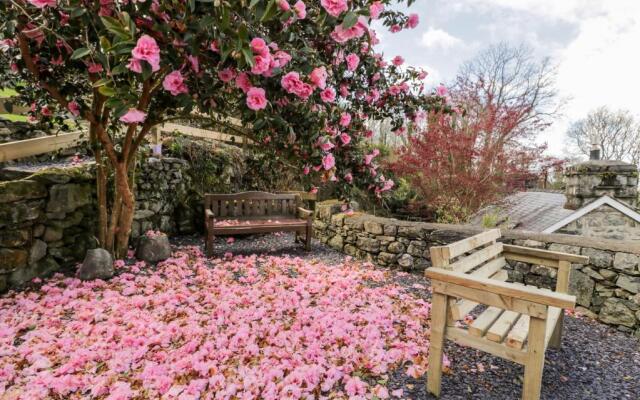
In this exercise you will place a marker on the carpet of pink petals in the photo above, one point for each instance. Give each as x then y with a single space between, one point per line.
196 328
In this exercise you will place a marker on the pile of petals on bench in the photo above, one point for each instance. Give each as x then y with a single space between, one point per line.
192 327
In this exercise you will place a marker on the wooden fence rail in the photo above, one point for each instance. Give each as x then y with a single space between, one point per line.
33 147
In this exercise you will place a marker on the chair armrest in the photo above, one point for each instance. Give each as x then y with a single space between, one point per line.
526 293
304 213
545 254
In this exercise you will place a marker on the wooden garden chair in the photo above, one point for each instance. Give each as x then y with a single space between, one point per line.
520 320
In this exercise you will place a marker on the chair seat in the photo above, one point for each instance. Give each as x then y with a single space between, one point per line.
509 328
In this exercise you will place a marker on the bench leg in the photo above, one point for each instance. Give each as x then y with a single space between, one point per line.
535 360
307 243
556 337
438 325
208 245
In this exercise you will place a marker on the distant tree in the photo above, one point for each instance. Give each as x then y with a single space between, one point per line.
616 132
506 77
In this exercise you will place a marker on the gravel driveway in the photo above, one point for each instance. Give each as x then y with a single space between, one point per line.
595 362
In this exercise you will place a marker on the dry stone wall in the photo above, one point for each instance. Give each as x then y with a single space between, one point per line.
608 288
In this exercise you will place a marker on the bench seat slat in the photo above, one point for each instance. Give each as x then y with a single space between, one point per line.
501 327
480 326
518 334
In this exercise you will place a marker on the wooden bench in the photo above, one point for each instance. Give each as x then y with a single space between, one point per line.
520 320
255 212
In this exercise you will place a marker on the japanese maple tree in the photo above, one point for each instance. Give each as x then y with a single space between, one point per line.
301 78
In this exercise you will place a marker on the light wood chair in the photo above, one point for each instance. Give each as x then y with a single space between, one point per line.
520 320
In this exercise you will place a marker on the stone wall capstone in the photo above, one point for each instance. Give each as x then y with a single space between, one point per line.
608 288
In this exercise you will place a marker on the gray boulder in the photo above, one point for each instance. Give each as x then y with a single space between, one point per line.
97 264
153 249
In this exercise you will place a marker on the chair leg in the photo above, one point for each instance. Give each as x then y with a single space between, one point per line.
438 325
556 337
209 245
535 360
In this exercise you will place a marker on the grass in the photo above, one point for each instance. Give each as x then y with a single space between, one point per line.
14 117
8 93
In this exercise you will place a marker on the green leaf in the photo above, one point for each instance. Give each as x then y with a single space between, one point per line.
270 11
107 91
101 82
79 53
349 20
248 56
78 11
114 26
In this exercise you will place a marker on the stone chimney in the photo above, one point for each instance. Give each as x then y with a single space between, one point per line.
590 180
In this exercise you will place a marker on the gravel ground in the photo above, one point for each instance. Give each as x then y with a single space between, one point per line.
595 361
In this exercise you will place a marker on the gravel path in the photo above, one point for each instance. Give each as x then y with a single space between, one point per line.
595 362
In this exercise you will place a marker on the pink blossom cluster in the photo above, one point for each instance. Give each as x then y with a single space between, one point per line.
195 328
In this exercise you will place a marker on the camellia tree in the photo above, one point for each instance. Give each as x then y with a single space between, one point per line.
302 79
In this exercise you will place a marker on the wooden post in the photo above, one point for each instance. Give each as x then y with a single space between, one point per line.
535 360
439 312
564 274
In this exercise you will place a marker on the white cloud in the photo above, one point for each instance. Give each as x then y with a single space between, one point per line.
437 38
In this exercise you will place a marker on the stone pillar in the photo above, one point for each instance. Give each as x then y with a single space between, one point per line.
593 179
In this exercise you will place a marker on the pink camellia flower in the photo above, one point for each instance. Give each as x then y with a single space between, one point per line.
147 50
227 74
306 170
134 65
281 58
345 119
328 161
214 47
348 178
261 64
344 90
352 62
195 63
395 28
441 91
342 35
345 138
376 9
174 83
74 108
45 111
284 5
243 82
290 80
313 190
319 77
301 9
328 95
43 3
133 116
413 21
334 7
325 144
397 61
259 46
422 75
94 68
256 99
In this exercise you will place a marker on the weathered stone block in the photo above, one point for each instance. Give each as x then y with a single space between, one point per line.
396 247
415 250
68 197
14 238
37 252
52 234
565 248
337 219
390 230
615 312
368 244
593 273
629 283
350 250
373 227
581 286
410 231
11 259
20 212
405 261
627 263
12 191
337 242
386 258
599 258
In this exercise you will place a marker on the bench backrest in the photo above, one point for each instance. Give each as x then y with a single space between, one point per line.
252 205
480 255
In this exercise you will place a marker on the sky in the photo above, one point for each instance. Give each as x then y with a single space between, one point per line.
594 43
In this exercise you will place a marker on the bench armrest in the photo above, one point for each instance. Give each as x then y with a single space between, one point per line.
304 213
209 217
545 254
533 295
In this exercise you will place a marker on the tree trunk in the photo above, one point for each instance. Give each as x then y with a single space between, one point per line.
127 204
101 186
